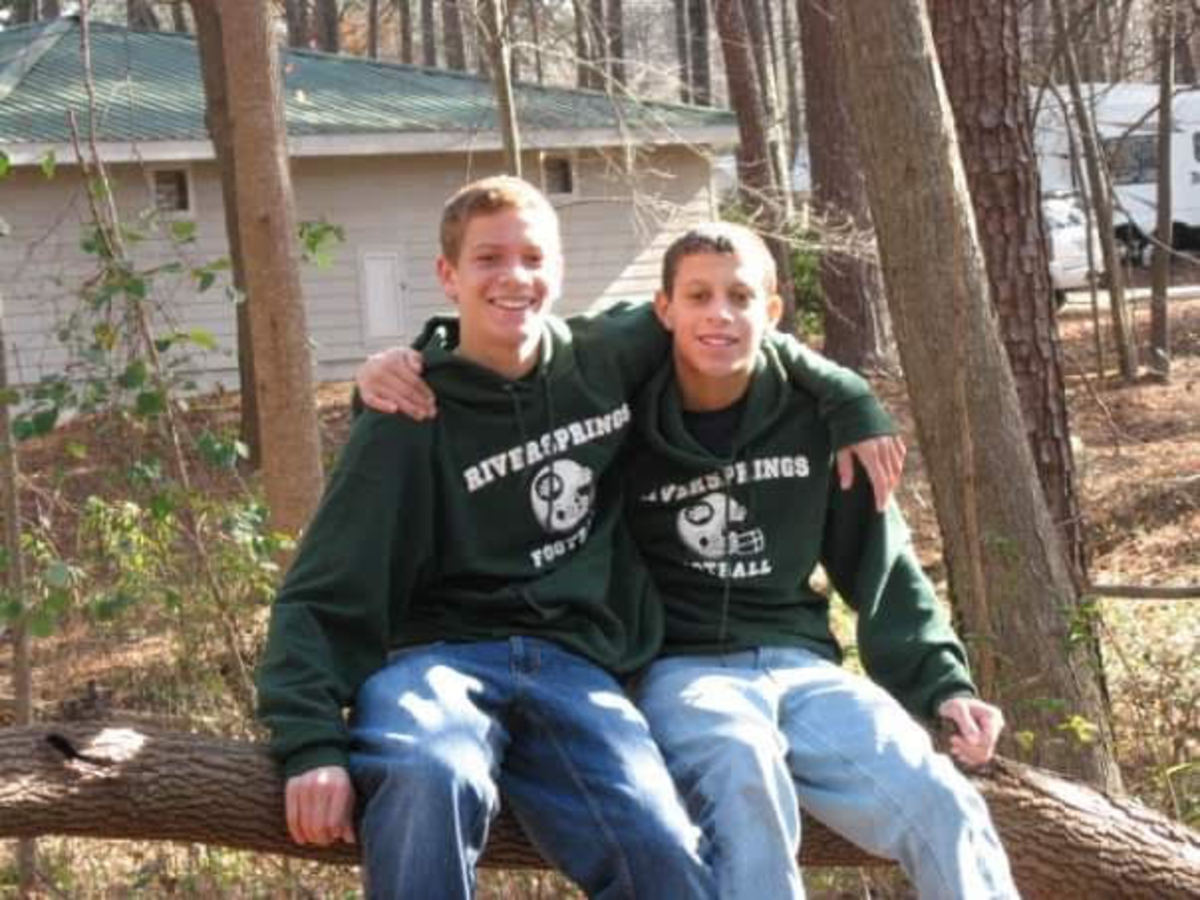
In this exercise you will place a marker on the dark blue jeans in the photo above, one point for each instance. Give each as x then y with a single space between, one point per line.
444 729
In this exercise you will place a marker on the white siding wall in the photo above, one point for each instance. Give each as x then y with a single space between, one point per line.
386 206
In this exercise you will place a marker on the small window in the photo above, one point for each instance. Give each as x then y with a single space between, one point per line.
1133 159
172 190
557 175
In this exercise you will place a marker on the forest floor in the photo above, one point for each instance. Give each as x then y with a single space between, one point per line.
1137 452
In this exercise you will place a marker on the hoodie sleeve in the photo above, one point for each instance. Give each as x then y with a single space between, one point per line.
333 618
845 402
905 640
628 336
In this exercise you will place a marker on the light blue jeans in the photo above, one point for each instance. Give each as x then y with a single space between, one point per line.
444 729
750 735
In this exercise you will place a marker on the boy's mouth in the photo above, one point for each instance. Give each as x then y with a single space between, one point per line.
716 340
514 304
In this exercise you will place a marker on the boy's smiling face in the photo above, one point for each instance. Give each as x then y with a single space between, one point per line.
507 275
718 313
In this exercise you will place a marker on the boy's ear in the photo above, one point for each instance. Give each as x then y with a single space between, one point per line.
447 278
774 309
662 308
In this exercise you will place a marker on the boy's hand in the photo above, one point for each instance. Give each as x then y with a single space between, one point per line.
883 460
390 381
979 725
320 806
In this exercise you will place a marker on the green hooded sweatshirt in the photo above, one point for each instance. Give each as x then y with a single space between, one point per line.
732 543
496 518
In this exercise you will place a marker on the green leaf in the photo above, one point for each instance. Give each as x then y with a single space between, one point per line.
76 450
57 575
9 396
43 420
136 287
203 338
48 164
161 506
5 164
150 403
204 280
183 231
41 624
134 375
112 605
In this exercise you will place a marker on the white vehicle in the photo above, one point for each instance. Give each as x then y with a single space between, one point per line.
1067 235
1127 120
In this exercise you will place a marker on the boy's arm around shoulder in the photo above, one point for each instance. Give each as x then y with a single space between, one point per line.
334 616
845 402
905 639
859 426
626 336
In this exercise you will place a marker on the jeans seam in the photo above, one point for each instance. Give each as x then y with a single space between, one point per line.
626 875
880 790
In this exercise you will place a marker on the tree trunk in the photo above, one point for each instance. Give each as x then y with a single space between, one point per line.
140 14
452 36
373 29
500 52
299 29
682 48
791 49
858 330
598 43
760 43
328 20
701 70
1101 201
14 584
535 30
1041 44
216 120
404 24
979 51
615 32
583 52
1160 355
1002 546
99 780
428 34
267 229
1185 60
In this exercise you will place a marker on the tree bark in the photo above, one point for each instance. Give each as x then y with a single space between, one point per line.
858 329
428 34
452 36
979 50
105 780
267 230
701 69
615 32
791 74
1101 191
404 24
535 30
373 29
299 29
682 50
216 120
500 52
328 21
140 14
1185 60
1002 546
1160 355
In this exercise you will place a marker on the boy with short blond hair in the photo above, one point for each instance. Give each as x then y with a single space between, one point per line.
457 589
732 503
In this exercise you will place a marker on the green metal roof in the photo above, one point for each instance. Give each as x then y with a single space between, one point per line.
149 88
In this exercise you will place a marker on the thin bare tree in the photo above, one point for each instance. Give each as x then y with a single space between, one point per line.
1160 355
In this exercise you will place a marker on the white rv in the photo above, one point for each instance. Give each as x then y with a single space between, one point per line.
1126 117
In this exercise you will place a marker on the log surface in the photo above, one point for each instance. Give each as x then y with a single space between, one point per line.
107 780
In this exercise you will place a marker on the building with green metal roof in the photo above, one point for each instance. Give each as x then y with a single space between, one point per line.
375 148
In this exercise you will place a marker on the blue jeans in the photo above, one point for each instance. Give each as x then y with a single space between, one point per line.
444 729
749 736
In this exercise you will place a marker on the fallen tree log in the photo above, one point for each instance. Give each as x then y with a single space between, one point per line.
105 780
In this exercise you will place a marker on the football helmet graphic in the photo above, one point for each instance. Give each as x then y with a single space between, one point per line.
707 527
562 494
